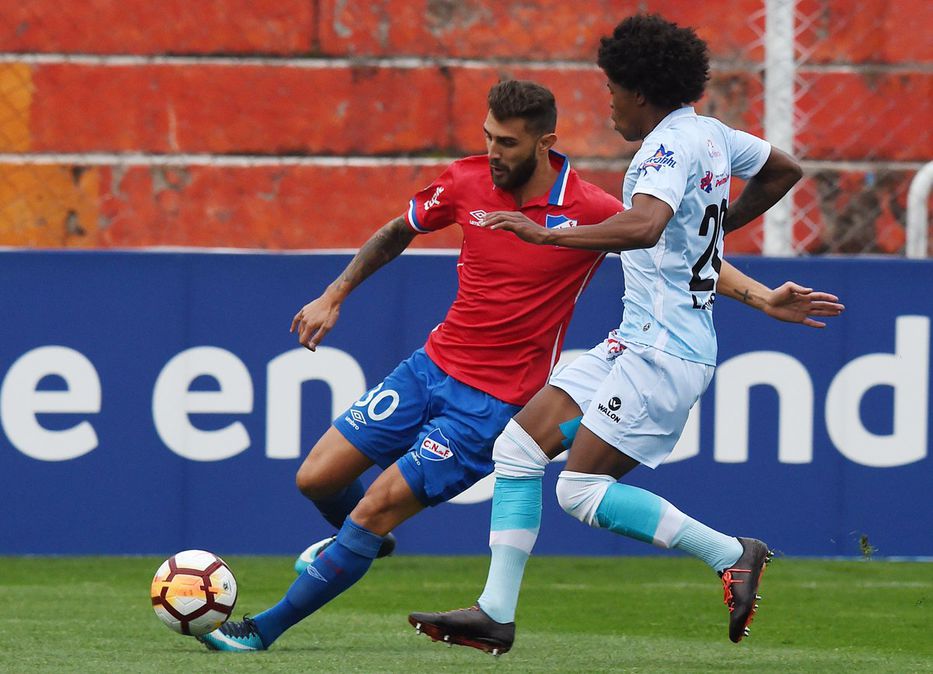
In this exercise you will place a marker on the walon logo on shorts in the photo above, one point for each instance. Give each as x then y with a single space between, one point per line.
611 409
435 447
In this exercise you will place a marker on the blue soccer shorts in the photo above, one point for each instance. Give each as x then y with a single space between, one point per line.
439 430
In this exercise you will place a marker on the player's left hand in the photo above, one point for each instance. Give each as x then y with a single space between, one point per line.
796 304
519 224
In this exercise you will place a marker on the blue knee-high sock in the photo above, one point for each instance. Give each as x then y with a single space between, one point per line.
338 507
337 568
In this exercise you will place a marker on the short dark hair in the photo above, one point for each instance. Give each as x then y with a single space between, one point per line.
667 64
526 100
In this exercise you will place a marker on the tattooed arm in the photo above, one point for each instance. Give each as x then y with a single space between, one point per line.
316 318
790 302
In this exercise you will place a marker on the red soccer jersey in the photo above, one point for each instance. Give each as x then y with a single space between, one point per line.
504 331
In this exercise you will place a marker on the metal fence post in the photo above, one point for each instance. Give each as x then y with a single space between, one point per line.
779 114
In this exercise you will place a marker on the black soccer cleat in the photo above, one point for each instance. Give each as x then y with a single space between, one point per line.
387 547
466 627
740 586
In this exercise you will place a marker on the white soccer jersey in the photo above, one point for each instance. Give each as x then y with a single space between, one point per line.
687 161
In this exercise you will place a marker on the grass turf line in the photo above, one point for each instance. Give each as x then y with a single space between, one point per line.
595 614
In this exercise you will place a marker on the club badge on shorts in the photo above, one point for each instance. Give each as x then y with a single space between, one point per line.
435 447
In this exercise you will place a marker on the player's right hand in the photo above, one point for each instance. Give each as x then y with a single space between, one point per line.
314 321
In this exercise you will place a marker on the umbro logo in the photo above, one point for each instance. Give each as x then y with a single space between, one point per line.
315 573
478 217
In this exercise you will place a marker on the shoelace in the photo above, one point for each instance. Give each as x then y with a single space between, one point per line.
247 628
727 581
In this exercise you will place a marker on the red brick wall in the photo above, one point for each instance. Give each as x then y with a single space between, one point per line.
282 83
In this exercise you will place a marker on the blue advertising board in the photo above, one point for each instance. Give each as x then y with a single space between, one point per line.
155 401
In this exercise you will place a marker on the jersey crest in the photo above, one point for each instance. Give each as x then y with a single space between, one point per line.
559 221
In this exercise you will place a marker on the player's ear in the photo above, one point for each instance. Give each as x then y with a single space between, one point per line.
546 142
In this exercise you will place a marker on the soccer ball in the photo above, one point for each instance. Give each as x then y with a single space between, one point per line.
193 592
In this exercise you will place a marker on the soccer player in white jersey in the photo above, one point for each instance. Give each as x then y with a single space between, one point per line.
636 389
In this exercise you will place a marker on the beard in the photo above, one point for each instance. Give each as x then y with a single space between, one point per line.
517 176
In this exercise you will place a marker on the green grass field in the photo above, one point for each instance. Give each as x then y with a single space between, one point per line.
657 614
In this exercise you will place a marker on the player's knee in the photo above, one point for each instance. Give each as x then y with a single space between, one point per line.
516 454
580 494
313 483
377 512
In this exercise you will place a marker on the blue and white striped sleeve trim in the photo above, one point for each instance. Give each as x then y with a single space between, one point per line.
413 218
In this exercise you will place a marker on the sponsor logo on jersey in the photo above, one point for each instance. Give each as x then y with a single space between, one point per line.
661 157
477 218
358 416
350 421
434 200
558 221
615 403
719 162
723 180
706 182
435 447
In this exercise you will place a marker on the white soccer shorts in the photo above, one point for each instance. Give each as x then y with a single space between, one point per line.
634 397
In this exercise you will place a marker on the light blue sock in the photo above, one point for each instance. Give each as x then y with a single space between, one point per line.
338 567
647 517
516 518
714 548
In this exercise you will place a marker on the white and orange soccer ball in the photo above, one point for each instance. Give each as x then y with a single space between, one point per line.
193 592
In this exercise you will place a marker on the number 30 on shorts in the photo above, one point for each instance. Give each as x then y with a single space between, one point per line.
375 399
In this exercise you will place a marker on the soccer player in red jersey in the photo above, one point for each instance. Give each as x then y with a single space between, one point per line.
431 424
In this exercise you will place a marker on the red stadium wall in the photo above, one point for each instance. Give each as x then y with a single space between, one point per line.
294 124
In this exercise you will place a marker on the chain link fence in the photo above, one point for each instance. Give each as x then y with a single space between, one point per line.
863 92
860 118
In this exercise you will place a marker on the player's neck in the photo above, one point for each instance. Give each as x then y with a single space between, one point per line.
540 183
654 116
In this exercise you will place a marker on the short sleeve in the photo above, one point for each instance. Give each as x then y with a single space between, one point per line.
749 153
432 208
661 171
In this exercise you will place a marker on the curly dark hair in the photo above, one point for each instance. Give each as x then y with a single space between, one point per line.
526 100
667 64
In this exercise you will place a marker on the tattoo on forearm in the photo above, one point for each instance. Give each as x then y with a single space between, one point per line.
745 296
384 246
